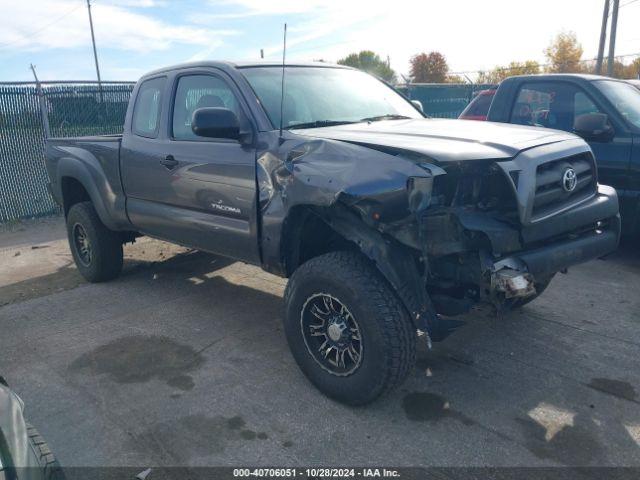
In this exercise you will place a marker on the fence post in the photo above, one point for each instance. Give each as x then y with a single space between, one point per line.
42 104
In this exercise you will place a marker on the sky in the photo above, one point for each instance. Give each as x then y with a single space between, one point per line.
134 36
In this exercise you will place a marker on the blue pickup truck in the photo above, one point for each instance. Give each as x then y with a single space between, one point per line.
603 111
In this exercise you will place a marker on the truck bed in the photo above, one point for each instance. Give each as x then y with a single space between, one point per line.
96 159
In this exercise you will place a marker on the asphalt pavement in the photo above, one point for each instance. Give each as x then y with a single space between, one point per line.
183 361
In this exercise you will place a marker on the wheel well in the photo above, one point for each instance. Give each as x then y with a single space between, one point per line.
72 192
306 235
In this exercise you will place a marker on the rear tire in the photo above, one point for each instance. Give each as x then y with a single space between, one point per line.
96 250
342 299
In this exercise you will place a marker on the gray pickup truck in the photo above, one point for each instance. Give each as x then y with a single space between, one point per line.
385 222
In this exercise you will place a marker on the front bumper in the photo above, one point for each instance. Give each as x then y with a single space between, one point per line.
475 257
589 230
517 274
564 254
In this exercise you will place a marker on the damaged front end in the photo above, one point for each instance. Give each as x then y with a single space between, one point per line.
446 235
498 232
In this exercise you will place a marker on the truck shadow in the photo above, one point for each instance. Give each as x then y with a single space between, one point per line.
67 276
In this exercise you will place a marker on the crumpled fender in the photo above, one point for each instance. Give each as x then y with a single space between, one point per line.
352 181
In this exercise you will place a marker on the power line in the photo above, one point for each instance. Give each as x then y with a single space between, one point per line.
624 5
41 29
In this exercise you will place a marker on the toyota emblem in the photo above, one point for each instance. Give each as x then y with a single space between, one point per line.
569 180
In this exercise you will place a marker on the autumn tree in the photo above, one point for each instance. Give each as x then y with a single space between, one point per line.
633 69
529 67
370 62
620 70
564 54
429 68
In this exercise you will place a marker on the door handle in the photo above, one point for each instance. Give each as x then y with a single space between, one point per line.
169 162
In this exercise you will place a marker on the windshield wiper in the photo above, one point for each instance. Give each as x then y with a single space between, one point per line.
319 123
388 116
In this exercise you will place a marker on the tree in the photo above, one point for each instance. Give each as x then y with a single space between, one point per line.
620 70
529 67
454 79
564 54
370 62
633 69
429 68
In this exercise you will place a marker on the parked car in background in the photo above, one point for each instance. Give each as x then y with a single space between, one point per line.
382 219
24 455
479 106
603 111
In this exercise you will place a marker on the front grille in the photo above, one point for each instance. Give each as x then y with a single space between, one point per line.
551 195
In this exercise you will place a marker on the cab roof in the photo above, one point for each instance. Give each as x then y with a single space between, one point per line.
228 65
588 77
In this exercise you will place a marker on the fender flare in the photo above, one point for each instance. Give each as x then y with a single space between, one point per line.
70 167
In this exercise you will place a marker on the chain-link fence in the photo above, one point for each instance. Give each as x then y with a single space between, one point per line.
443 100
83 108
72 109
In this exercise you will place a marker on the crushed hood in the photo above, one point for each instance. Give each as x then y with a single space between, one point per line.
443 140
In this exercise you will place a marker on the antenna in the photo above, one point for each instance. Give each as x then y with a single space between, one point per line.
284 56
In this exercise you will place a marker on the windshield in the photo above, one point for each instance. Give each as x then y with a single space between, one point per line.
624 97
321 96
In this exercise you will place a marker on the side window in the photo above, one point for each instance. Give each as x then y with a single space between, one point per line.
199 91
533 104
551 105
582 105
146 112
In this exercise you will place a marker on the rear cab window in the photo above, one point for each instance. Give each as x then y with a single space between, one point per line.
146 111
479 106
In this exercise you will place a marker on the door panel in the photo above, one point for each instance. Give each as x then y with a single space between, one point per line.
612 159
215 184
195 191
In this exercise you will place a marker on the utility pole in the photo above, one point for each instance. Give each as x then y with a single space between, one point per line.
612 38
603 37
95 52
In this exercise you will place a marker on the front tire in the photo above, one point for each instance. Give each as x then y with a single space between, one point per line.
96 250
346 328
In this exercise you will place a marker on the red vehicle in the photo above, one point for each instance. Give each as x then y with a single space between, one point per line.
479 106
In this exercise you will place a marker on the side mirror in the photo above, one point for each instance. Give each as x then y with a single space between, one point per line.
214 122
593 126
418 105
